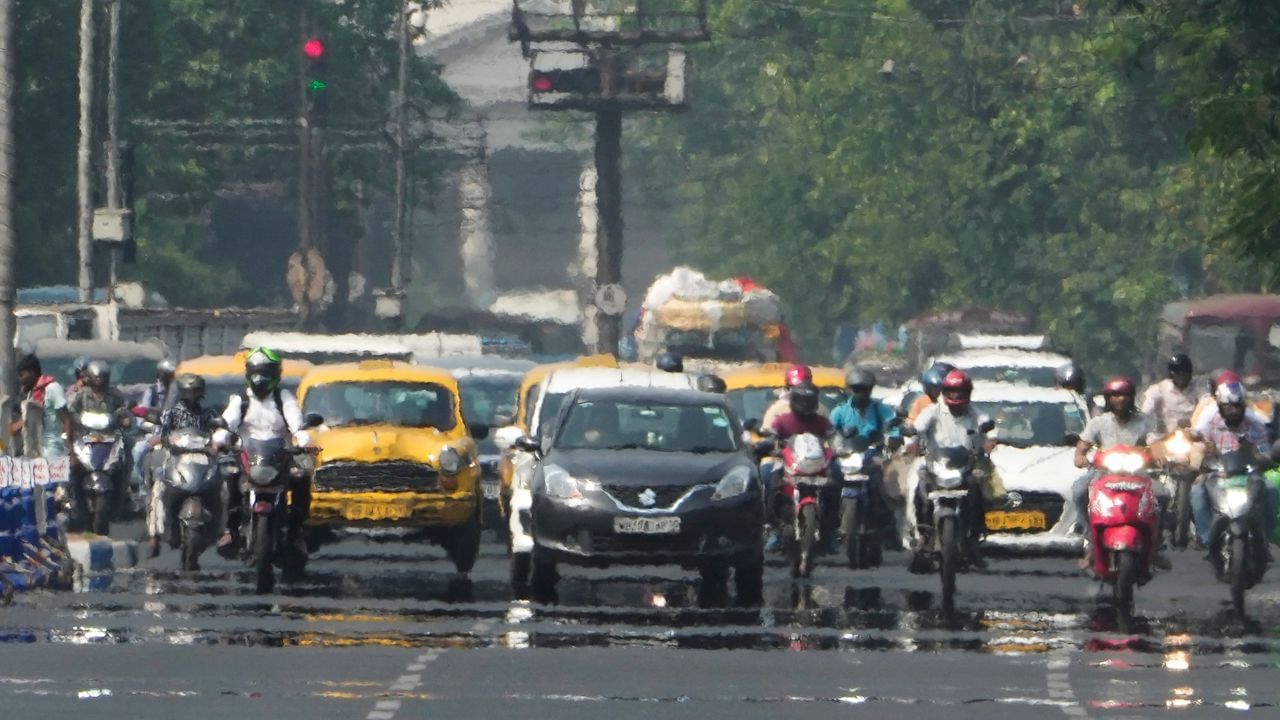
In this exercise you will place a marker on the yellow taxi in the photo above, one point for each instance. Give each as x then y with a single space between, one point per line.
395 452
224 375
752 389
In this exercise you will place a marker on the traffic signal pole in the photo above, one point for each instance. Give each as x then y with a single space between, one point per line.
608 158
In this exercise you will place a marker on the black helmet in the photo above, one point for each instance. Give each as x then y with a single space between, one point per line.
78 365
190 387
262 369
670 362
97 370
1071 377
711 383
1180 362
932 378
803 399
165 368
860 379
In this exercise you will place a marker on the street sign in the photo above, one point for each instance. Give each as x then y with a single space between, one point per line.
611 299
111 225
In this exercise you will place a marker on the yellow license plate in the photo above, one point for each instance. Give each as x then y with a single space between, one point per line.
376 511
1016 520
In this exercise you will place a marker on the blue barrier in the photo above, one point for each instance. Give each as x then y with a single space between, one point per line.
32 545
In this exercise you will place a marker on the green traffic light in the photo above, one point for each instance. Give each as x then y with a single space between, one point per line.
317 85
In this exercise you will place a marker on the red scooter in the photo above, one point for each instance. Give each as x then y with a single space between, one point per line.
1124 520
806 472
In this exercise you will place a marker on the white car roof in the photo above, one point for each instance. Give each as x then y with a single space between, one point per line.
1015 342
565 380
1014 393
1004 358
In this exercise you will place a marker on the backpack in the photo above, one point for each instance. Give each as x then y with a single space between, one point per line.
275 395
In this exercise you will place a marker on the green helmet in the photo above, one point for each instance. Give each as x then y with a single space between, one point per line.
262 370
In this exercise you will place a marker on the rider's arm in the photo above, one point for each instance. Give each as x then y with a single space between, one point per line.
232 417
293 418
1082 450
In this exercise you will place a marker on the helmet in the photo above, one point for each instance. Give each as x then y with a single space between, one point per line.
165 367
190 387
860 379
1119 385
804 399
97 370
798 374
262 370
1070 376
78 365
932 378
711 383
1224 377
1180 362
670 362
1231 393
958 381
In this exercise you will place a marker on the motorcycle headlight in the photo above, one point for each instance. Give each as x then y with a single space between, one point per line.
1235 501
1127 463
851 463
734 483
560 483
1178 446
263 474
450 461
948 478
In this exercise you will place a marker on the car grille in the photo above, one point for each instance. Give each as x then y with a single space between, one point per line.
664 496
1049 503
390 476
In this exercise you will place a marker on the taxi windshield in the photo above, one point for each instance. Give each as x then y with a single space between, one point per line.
406 404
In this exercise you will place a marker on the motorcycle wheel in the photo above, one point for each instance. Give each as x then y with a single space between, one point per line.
100 514
949 561
520 568
851 526
463 543
1239 574
1182 516
188 549
543 579
748 583
1126 580
787 524
808 538
263 545
713 589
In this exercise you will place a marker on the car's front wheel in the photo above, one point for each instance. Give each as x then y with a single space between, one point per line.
543 578
462 544
748 581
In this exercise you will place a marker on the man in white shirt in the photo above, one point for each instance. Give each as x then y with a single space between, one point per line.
1171 401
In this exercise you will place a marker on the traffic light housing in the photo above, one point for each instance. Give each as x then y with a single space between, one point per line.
578 81
315 77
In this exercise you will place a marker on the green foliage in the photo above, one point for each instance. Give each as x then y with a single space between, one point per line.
874 160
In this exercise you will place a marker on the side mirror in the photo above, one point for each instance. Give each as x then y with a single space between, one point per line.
312 420
987 426
752 425
1070 439
527 444
505 437
478 430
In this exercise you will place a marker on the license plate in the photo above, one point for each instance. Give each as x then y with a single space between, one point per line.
1016 520
647 525
376 511
490 489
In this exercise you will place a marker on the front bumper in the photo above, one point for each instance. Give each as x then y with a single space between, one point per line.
391 509
583 533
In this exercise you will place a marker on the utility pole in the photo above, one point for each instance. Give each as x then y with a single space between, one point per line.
8 244
113 133
400 244
84 166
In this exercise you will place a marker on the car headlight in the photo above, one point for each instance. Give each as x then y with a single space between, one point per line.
734 483
450 461
1122 462
560 483
1236 502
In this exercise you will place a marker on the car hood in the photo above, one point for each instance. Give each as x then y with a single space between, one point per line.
646 467
1036 469
375 443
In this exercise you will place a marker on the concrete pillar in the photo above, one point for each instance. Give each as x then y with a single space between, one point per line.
476 235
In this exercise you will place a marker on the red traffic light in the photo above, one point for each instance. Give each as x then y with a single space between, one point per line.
582 81
313 48
541 82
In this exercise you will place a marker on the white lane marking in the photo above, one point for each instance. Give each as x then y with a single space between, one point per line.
1058 680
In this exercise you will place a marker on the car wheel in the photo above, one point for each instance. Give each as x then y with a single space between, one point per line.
543 579
713 590
463 543
748 581
520 568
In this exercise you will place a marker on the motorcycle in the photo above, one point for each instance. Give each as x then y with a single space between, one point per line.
1179 459
99 452
860 461
193 487
943 522
1237 545
806 462
1124 518
268 469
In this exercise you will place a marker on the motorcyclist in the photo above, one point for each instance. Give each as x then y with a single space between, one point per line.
1207 407
1171 401
264 412
931 380
863 416
1226 430
186 412
1121 424
795 375
43 401
95 396
153 398
78 378
803 417
955 423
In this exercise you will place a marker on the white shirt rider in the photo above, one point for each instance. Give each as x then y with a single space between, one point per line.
263 420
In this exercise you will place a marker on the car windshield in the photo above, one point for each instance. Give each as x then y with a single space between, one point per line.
1027 424
407 404
622 424
751 403
482 396
1032 376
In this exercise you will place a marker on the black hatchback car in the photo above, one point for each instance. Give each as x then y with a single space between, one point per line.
648 476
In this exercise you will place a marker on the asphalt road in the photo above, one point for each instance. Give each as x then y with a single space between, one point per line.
383 631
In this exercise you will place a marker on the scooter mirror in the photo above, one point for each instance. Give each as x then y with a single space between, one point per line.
1070 439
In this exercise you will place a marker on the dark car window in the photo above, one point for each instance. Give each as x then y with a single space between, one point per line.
551 403
408 404
482 396
1033 376
615 424
1027 424
751 403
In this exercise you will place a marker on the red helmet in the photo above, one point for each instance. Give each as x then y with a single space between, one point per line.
1226 377
955 381
1119 386
798 374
